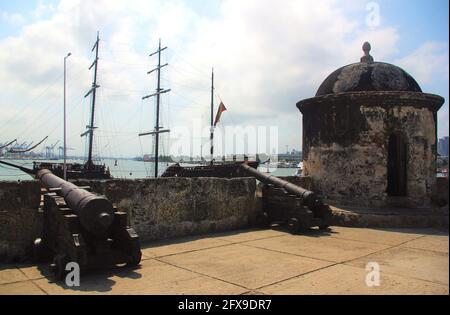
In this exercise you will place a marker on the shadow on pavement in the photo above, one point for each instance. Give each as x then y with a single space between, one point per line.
97 280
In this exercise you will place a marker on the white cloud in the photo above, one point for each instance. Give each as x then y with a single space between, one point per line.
429 65
14 19
428 62
42 9
266 57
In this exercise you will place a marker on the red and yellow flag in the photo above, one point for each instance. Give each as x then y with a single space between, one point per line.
221 109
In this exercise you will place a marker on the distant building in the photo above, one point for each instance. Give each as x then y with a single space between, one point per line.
443 146
293 156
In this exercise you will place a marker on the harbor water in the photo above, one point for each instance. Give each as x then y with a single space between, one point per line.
124 168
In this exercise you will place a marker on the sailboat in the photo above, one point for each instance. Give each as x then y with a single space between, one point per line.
88 170
213 169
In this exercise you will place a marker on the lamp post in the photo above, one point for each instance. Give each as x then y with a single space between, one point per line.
65 145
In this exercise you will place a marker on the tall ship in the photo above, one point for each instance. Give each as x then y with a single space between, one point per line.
224 168
88 170
213 169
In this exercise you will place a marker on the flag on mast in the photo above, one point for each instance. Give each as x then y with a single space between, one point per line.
221 109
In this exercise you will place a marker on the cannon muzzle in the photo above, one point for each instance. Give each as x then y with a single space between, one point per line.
96 213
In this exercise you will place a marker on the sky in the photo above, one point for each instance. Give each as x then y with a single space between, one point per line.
267 55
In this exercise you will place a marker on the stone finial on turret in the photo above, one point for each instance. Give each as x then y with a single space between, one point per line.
367 57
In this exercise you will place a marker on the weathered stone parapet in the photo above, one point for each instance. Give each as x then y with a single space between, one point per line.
388 98
440 192
178 206
439 199
305 182
19 220
391 218
358 179
157 208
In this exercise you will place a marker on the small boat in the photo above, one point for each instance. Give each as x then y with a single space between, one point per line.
299 171
442 172
224 170
75 170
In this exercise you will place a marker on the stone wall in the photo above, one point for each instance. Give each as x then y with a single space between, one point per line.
177 206
345 146
441 192
157 208
305 182
358 171
19 220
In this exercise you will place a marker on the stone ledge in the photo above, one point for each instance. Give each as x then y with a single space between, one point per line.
391 218
378 98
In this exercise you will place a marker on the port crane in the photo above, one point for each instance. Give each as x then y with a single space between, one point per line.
24 147
49 150
7 144
61 151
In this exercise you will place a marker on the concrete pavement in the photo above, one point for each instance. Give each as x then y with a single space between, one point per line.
411 261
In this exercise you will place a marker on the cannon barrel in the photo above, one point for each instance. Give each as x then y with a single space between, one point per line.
96 213
309 197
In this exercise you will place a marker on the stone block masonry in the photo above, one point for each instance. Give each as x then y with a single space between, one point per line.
19 220
177 206
157 208
348 147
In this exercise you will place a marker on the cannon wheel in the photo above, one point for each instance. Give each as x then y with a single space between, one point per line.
262 220
325 214
296 226
40 250
135 253
59 266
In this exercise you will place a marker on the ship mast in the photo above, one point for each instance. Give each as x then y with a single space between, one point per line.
158 129
211 137
90 127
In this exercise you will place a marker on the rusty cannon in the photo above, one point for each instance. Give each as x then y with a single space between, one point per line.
287 203
83 227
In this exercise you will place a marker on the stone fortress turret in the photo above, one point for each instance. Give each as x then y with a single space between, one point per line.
370 136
